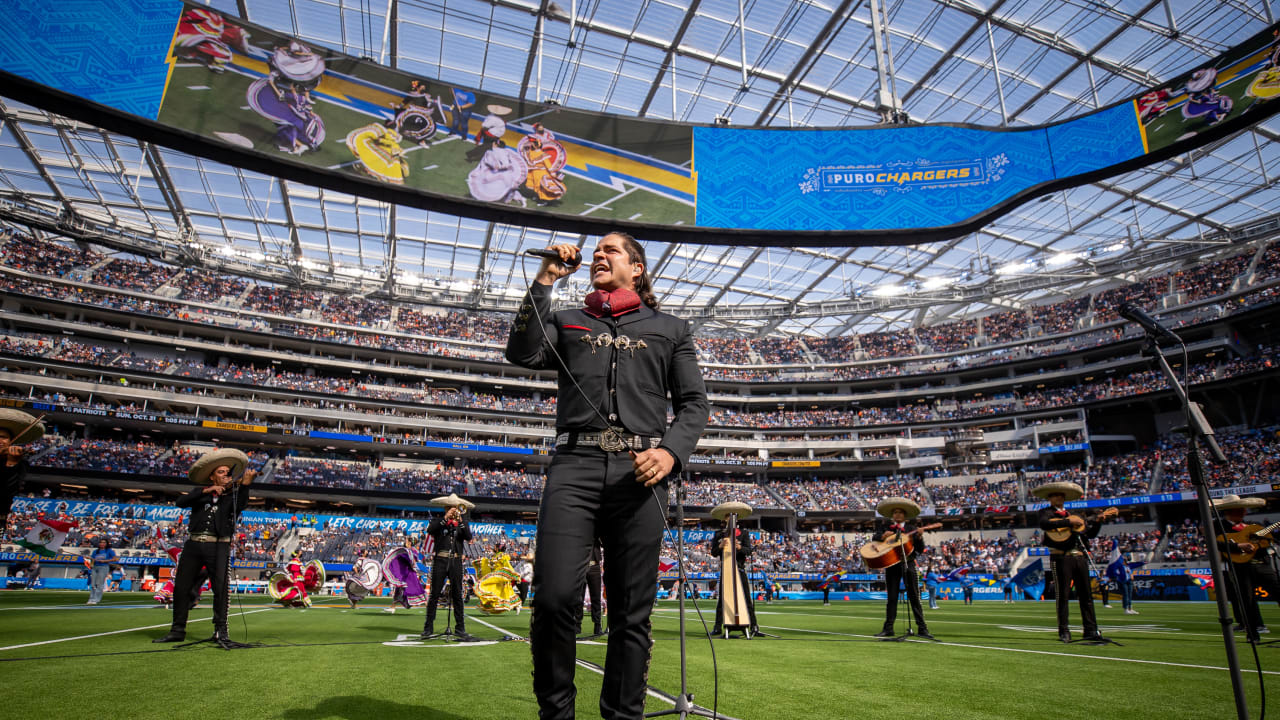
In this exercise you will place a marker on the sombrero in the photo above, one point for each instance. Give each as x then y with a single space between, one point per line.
452 500
888 505
1231 502
499 110
203 468
723 510
16 421
1069 490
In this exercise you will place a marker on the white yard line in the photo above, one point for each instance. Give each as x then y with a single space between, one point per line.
1011 620
580 663
118 632
1031 652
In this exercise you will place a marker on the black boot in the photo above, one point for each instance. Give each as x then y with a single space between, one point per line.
597 630
222 639
1064 636
464 636
924 633
887 632
172 636
427 632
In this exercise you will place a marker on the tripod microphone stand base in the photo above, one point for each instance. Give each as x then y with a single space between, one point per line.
899 638
224 644
1094 641
684 707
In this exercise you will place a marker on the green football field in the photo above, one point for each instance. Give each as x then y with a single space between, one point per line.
215 105
61 658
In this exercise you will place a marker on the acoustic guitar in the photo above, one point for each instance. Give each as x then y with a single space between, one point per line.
1255 534
880 554
1077 525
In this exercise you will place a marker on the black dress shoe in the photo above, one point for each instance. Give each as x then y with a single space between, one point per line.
884 633
172 636
464 636
926 635
427 631
716 631
598 630
1064 636
1095 638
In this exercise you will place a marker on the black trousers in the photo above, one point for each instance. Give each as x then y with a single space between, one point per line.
893 576
593 589
1244 605
592 494
215 559
443 568
1071 570
746 593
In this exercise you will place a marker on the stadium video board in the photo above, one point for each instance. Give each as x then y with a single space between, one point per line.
187 76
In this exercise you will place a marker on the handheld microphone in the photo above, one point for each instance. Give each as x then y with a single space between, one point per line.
1133 313
553 255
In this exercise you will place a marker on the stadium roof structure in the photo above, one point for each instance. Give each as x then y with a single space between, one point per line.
754 63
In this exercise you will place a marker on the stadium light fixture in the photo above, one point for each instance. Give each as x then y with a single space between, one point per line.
1062 258
937 282
1018 266
889 290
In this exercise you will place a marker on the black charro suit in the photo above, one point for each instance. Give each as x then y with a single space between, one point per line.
446 564
210 517
1069 562
594 580
591 493
902 574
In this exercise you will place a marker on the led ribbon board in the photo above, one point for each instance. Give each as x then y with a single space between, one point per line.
191 78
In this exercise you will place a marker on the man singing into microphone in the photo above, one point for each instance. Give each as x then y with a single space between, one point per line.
620 364
449 536
212 525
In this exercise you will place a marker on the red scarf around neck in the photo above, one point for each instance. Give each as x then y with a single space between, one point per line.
614 304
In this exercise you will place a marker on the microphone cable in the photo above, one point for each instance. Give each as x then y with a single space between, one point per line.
715 671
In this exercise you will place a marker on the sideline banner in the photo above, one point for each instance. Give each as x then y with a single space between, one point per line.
192 78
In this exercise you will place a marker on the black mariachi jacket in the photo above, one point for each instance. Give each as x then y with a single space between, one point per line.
1049 520
744 539
647 358
448 539
884 525
223 520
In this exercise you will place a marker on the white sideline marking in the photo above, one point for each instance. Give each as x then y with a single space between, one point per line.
117 632
1034 652
649 691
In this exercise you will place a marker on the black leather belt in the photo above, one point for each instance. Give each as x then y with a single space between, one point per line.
445 554
614 439
208 537
1055 551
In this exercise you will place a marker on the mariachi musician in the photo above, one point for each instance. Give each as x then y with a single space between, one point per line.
594 592
897 527
1067 536
737 591
449 535
212 525
1236 542
17 429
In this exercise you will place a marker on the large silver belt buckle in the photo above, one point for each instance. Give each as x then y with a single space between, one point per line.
611 440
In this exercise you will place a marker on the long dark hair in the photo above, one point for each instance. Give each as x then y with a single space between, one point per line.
644 286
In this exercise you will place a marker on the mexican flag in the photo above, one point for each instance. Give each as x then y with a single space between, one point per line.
46 537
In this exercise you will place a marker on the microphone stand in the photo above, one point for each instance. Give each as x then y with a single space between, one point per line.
684 706
1199 431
